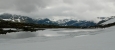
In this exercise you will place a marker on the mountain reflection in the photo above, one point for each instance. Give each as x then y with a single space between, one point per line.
50 34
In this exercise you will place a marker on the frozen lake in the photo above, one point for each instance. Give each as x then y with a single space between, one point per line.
60 39
48 34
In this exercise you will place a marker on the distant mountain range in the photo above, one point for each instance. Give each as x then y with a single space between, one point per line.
63 22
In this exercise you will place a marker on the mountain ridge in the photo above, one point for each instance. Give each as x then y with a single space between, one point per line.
47 21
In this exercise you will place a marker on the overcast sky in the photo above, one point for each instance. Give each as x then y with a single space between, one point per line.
80 9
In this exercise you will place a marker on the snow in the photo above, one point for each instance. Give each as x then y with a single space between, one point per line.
9 29
18 20
60 39
109 21
7 19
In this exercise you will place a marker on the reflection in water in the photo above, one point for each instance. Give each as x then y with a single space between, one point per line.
46 35
18 35
26 35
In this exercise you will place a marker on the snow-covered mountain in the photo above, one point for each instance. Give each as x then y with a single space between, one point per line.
13 18
16 18
66 22
110 20
61 22
73 22
106 19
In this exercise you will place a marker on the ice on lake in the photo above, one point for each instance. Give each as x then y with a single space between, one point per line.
60 39
46 35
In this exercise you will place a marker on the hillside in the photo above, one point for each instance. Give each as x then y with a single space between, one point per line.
109 21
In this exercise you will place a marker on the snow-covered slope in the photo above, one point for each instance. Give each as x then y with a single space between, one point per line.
60 39
109 21
105 19
63 21
13 18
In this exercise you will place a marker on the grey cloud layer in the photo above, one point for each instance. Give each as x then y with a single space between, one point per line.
23 5
82 9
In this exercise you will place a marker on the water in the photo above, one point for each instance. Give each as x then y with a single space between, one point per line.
60 39
46 35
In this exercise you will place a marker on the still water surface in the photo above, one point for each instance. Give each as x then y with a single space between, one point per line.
46 35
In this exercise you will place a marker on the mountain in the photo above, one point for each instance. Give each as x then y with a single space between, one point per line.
105 19
111 20
64 22
16 18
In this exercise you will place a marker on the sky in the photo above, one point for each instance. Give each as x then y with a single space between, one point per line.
59 9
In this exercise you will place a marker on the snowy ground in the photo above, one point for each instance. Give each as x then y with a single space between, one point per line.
60 39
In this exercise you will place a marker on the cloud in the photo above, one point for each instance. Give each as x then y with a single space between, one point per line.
26 6
80 9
